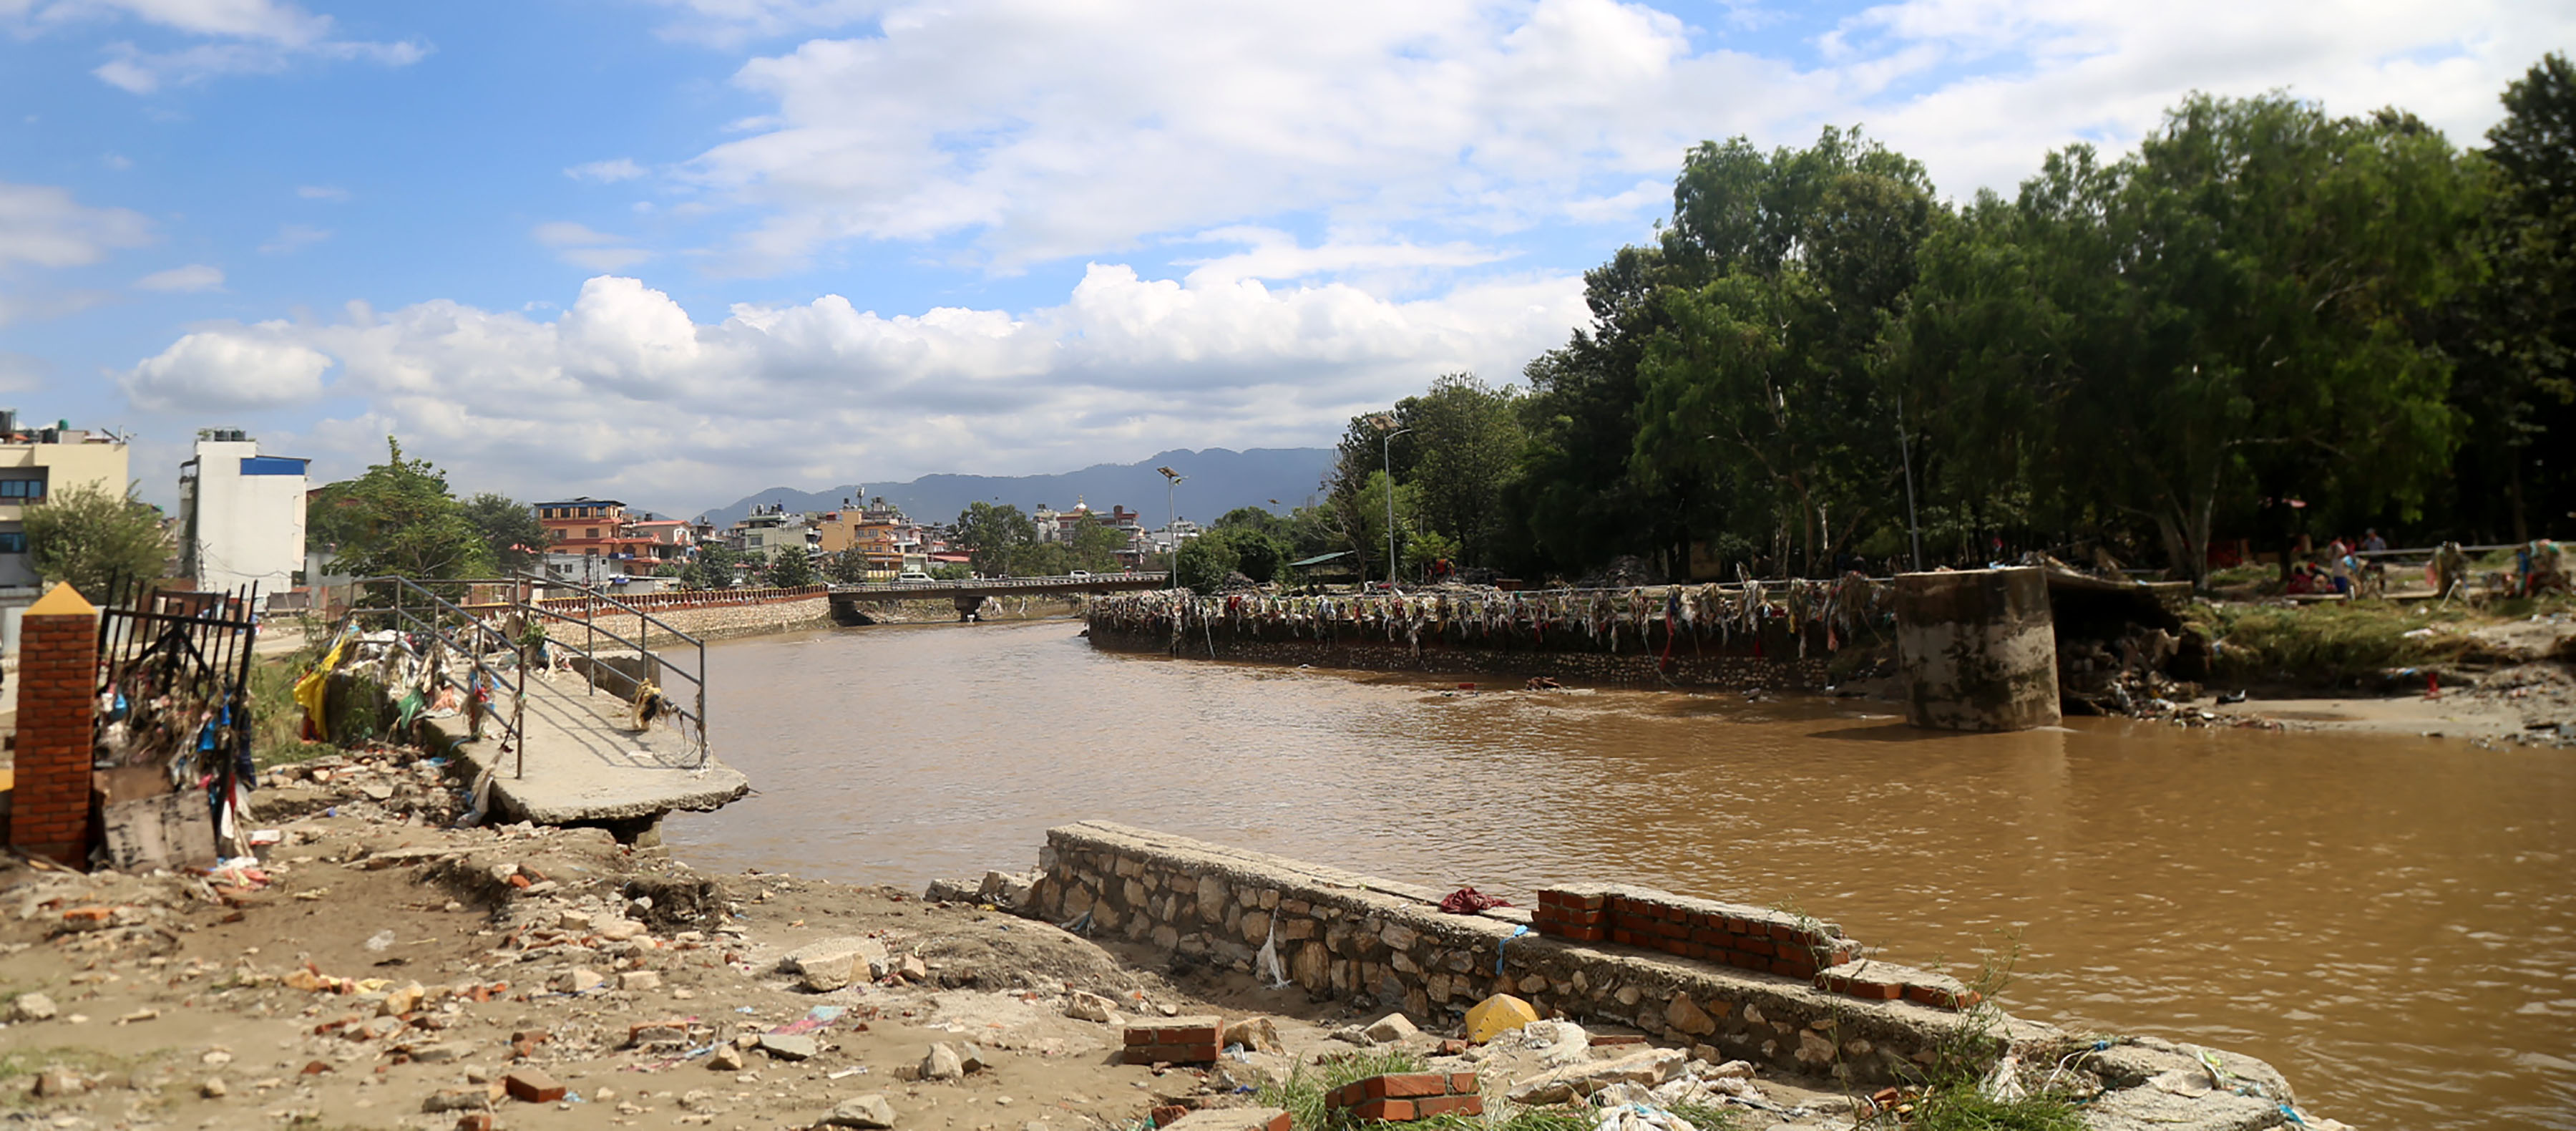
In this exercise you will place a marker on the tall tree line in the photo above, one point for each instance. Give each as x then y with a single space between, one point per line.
2266 321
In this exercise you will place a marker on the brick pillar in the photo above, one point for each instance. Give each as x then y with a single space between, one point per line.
57 705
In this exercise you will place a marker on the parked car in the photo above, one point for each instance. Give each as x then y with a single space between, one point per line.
910 576
1079 574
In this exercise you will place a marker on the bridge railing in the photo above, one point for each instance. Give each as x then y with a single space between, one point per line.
1066 582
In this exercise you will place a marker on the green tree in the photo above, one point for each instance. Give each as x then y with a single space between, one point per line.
398 519
2514 334
2247 306
1203 563
1766 380
91 538
510 530
694 576
848 566
722 564
992 535
1095 544
789 567
1465 450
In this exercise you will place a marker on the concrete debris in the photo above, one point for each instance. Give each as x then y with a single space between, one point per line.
1079 1005
788 1046
1393 1028
870 1112
832 963
725 1058
33 1007
1648 1068
942 1063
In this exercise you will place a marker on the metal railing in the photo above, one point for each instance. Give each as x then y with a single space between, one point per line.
414 604
413 607
1006 582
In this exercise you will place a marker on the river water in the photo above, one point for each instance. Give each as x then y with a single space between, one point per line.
2391 921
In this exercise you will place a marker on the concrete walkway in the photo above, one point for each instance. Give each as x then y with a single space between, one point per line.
584 766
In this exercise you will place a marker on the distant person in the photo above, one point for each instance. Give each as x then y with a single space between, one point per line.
2372 543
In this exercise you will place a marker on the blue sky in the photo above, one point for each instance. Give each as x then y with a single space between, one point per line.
679 250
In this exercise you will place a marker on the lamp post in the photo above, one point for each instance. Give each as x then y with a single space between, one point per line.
1386 458
1171 526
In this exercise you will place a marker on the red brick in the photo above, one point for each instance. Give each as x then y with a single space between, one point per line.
1391 1110
1751 945
1450 1105
1783 932
532 1085
1404 1085
1462 1083
1137 1035
1168 1114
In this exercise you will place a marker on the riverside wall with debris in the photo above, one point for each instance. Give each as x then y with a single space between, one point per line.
1746 636
1337 934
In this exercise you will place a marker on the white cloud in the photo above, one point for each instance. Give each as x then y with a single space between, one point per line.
137 71
292 238
606 172
1047 132
332 193
255 37
42 225
242 368
193 277
1033 131
625 391
726 22
580 246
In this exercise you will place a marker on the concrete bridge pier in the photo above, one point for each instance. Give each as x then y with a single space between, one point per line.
1977 650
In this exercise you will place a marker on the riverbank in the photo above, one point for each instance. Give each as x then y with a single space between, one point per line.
373 971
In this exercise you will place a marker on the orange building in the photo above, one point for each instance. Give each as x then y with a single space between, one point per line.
591 527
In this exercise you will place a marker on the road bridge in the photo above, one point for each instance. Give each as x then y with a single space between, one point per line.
968 594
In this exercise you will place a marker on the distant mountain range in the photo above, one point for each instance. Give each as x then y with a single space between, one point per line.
1220 480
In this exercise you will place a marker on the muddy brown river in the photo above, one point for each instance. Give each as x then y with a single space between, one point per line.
2391 921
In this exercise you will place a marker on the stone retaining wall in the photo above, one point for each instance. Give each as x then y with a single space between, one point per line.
1339 933
706 622
1779 666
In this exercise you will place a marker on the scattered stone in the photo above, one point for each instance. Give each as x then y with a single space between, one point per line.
942 1063
1079 1005
870 1112
33 1007
637 980
54 1083
788 1046
1392 1028
579 980
972 1059
474 1121
1256 1034
440 1052
912 969
620 930
832 963
213 1088
476 1098
726 1058
1232 1119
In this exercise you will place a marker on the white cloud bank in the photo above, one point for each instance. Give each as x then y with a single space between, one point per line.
1039 130
625 392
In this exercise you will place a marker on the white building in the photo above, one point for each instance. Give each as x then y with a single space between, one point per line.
241 515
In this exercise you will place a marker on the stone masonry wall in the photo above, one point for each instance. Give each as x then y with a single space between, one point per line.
1339 933
709 621
1734 668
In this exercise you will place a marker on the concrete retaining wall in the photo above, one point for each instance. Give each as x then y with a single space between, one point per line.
1729 666
1977 649
1340 933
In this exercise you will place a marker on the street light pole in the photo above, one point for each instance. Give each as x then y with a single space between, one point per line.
1171 483
1386 457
